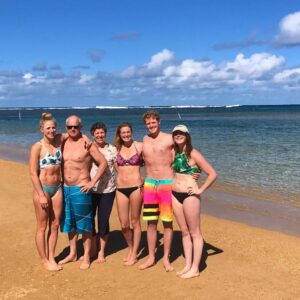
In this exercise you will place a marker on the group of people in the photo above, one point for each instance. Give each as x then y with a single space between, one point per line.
76 180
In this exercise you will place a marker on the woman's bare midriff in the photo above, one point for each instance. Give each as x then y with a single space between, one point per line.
182 182
50 176
129 176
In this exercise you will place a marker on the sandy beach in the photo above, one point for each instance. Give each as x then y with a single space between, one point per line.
239 261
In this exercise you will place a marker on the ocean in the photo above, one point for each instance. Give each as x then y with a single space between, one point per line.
254 148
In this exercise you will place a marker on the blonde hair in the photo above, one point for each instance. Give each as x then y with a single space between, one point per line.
46 116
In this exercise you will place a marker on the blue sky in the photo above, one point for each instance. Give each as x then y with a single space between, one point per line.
120 53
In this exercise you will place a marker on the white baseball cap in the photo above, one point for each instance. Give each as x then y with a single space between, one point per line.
181 128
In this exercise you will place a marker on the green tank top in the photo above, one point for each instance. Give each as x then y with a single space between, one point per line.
181 165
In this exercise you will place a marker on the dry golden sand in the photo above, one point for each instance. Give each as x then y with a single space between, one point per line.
239 261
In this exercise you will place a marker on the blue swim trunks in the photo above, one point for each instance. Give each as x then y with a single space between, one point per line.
77 212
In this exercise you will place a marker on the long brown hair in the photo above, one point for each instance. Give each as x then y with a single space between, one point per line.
188 145
118 141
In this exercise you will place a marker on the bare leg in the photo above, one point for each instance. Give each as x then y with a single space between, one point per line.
168 235
151 239
135 207
87 238
186 238
191 209
123 212
73 236
42 216
101 253
55 209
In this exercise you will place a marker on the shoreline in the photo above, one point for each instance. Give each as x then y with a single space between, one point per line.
231 203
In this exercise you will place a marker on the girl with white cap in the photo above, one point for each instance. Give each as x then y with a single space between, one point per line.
186 197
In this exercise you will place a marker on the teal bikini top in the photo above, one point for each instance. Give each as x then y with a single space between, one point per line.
181 165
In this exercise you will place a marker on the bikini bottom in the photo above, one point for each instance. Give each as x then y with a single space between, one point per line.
128 191
180 197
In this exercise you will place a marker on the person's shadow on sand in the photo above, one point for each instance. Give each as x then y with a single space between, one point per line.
177 249
116 242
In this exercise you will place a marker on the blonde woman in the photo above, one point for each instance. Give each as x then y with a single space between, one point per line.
45 170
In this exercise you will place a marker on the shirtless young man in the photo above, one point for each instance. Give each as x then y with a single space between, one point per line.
157 151
77 214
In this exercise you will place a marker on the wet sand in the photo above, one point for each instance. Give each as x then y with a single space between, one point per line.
239 261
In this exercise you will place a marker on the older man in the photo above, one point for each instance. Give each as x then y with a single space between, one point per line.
157 151
78 155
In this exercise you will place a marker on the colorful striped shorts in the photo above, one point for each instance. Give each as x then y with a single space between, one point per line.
77 212
158 200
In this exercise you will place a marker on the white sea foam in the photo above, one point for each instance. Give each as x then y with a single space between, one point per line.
233 105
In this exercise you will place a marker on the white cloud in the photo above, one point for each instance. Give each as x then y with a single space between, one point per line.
289 30
27 76
255 66
160 58
129 72
167 80
85 78
189 69
288 76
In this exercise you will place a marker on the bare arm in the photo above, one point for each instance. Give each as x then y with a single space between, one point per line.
34 173
207 168
102 165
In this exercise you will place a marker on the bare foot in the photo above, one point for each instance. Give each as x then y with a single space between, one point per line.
148 264
131 261
167 266
184 270
101 259
69 258
190 274
127 258
85 265
54 263
51 267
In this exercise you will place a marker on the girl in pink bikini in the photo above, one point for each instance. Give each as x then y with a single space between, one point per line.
129 184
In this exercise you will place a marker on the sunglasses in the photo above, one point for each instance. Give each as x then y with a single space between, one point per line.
72 126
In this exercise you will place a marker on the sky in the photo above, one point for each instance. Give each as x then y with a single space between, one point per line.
62 53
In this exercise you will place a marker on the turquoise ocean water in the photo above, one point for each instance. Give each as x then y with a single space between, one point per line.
255 147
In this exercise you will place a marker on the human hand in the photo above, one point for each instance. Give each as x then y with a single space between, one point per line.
88 186
196 176
193 190
43 201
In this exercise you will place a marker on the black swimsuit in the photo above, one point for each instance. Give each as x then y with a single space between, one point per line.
180 197
128 191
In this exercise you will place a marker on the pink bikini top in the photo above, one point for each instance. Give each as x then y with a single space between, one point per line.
134 160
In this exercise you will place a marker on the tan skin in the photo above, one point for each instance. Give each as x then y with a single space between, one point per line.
157 151
188 213
48 209
129 209
78 156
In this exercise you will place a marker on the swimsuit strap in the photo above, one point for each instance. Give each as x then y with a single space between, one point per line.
134 160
